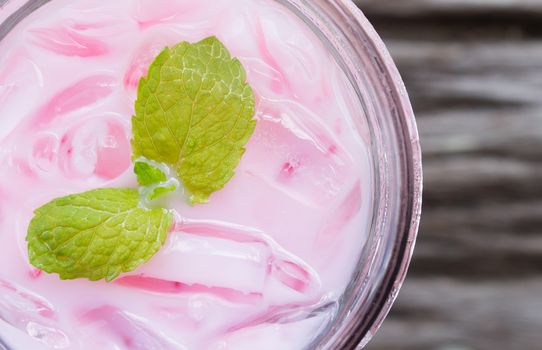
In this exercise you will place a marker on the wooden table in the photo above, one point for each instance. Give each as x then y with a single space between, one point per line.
474 72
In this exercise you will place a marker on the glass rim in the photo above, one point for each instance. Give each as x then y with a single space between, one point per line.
412 200
343 28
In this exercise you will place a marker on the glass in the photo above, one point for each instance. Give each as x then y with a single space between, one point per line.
397 169
394 143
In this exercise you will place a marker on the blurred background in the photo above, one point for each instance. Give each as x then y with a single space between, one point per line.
473 69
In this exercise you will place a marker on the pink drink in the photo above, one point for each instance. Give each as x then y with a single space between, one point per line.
263 264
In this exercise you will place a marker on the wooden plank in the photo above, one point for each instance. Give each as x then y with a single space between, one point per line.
479 107
473 69
444 314
456 19
416 7
455 75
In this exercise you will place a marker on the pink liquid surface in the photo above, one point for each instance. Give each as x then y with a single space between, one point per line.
263 264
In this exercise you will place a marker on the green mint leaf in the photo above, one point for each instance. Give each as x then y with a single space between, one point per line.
148 174
194 112
97 234
153 180
159 191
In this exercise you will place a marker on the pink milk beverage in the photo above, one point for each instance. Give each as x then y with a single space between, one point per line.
262 266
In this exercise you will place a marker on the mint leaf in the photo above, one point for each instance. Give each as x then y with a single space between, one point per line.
159 191
148 174
97 234
194 112
153 180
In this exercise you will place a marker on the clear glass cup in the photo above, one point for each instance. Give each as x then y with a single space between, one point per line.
396 160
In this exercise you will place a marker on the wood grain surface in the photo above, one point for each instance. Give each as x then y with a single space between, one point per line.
473 69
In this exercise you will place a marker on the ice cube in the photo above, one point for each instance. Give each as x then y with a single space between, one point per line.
10 336
277 328
20 83
97 146
291 54
210 261
31 314
249 32
288 313
113 151
243 34
145 54
19 305
301 154
205 313
339 217
292 275
233 263
53 337
68 41
80 94
45 152
126 330
148 13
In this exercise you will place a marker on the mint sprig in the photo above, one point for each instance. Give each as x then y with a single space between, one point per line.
148 174
194 113
153 181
